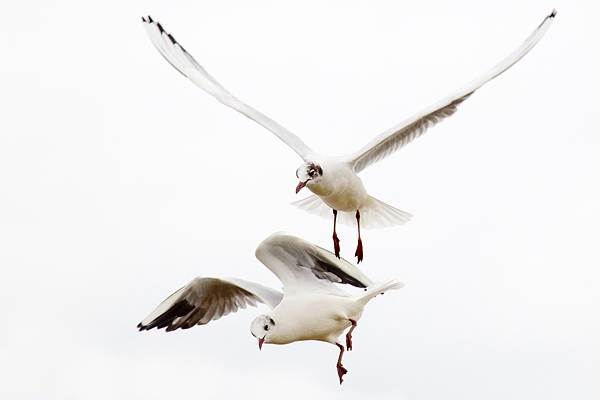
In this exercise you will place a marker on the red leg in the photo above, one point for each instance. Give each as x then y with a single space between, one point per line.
349 335
336 240
359 247
340 368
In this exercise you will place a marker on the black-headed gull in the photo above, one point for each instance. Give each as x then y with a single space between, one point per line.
334 180
311 306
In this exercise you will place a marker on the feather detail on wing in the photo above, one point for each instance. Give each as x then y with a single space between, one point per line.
207 299
373 215
179 58
304 267
398 136
402 134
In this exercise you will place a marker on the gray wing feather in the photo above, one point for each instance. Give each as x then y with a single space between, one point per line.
398 136
298 264
183 61
208 299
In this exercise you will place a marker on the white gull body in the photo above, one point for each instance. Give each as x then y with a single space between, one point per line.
311 307
334 180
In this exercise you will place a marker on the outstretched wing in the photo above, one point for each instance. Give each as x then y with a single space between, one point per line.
207 299
398 136
302 266
176 55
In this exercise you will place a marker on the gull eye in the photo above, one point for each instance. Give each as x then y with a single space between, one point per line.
266 327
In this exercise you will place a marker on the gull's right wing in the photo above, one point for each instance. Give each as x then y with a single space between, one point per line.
208 299
179 58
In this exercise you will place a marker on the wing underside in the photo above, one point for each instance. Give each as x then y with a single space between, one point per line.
183 61
207 299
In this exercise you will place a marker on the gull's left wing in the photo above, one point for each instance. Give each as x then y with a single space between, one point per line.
400 135
183 61
302 266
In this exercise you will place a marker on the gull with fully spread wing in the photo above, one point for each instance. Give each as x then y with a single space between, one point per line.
334 180
311 306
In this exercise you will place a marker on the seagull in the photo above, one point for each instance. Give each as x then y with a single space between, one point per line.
311 307
333 180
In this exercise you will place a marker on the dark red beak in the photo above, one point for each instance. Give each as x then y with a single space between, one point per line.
300 186
260 342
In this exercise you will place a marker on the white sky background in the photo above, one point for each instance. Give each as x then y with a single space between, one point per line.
120 181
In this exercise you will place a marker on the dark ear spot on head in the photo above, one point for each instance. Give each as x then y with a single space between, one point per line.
271 321
314 170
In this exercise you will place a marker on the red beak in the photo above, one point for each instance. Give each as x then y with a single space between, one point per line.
300 186
260 342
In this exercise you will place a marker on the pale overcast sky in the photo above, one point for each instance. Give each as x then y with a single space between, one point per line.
120 181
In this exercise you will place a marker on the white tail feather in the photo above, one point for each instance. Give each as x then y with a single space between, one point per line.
373 214
379 288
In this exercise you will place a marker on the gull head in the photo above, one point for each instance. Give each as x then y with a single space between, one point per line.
261 327
307 173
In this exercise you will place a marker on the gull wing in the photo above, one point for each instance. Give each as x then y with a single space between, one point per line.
302 266
208 299
400 135
179 58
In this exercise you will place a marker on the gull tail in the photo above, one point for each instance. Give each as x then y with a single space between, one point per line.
374 213
377 289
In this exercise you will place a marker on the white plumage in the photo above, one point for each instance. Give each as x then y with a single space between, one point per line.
334 179
311 307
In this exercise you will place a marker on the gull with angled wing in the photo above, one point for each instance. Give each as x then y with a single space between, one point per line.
311 307
334 180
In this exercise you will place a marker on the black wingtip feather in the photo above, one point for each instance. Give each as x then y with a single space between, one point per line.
142 328
166 319
172 38
553 14
327 266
